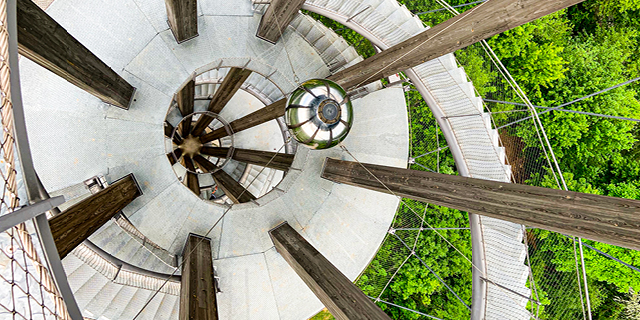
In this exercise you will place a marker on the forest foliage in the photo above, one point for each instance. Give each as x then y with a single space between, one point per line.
556 59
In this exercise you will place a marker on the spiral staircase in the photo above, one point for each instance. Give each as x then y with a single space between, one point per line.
76 137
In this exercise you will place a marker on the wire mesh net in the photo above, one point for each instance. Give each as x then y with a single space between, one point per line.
26 286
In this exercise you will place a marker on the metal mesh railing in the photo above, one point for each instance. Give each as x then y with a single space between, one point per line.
27 290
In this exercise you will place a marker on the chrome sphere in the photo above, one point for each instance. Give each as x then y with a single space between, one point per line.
319 114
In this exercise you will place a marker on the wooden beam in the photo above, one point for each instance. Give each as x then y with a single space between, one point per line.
182 18
481 22
198 287
185 99
268 113
605 219
44 41
76 224
343 299
277 17
177 152
204 164
278 161
168 131
230 85
191 179
232 188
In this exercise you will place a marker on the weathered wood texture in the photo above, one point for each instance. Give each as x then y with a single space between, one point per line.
185 99
77 223
230 85
277 17
232 188
343 299
279 161
191 178
172 159
605 219
198 288
183 18
268 113
168 131
44 41
204 164
478 23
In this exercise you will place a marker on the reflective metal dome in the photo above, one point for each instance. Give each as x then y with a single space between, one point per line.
319 114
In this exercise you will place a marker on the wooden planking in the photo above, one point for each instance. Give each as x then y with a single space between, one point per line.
478 23
191 178
76 224
185 99
268 113
277 17
44 41
230 85
343 299
600 218
182 18
198 287
278 161
232 188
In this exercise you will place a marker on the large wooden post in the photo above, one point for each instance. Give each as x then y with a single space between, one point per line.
279 161
268 113
478 23
182 17
77 223
600 218
343 299
277 17
198 288
43 40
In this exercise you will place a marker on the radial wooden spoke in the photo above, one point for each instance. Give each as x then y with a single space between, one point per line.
77 223
278 161
178 153
277 17
183 18
268 113
204 164
230 85
481 22
192 178
600 218
232 188
44 41
185 99
168 132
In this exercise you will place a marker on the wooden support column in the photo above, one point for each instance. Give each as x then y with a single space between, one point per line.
268 113
191 179
230 85
278 161
198 287
232 188
44 41
277 17
182 17
605 219
185 99
481 22
77 223
343 299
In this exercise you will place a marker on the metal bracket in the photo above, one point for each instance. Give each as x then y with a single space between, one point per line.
29 212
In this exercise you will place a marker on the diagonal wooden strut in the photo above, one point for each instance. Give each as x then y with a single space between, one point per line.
76 224
278 161
44 41
481 22
191 178
232 188
605 219
268 113
230 85
185 99
343 299
277 17
198 288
